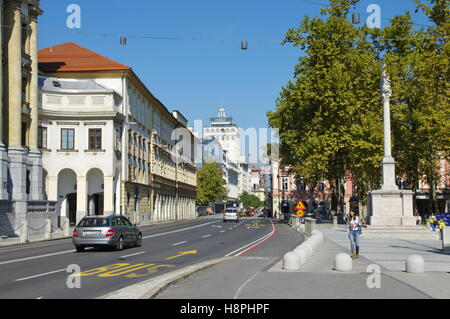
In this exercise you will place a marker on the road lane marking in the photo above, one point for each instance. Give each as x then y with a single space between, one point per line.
191 252
40 275
179 230
245 284
36 257
181 242
206 236
72 251
125 270
222 231
254 243
139 253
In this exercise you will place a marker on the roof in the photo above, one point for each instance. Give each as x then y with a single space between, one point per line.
71 57
71 85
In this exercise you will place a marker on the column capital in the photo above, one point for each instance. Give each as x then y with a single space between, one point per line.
35 11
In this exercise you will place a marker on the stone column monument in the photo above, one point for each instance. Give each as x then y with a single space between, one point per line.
390 207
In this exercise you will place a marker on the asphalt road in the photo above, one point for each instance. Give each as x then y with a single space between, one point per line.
40 270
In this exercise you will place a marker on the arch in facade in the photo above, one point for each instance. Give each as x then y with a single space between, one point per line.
95 191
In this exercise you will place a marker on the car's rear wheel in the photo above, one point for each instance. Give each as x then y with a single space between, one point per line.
119 246
79 248
139 241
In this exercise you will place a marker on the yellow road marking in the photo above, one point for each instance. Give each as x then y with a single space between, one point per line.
99 270
149 271
191 252
125 270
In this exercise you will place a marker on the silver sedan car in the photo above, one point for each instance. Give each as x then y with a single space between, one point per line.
106 231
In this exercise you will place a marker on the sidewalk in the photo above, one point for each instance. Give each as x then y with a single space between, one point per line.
259 275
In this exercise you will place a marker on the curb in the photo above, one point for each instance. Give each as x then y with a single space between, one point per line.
151 288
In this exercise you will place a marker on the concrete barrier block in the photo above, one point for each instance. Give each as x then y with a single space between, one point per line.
302 254
415 264
291 261
343 262
308 248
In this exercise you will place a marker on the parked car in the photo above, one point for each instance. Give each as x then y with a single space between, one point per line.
231 214
106 231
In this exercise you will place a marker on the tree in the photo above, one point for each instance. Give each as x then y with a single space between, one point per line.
210 184
418 64
329 115
250 200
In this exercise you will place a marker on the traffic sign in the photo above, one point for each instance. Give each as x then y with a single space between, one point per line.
300 213
301 205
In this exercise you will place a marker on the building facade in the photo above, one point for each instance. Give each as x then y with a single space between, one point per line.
122 135
226 135
20 158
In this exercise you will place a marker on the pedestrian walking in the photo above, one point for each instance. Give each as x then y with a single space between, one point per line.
433 221
354 231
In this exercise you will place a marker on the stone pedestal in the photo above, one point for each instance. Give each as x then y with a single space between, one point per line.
18 172
4 163
391 208
36 191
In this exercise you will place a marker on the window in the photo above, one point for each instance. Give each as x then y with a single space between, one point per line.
95 138
285 183
67 138
42 137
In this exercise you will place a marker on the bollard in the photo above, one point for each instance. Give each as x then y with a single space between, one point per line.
314 241
48 229
343 262
302 255
309 226
24 232
308 248
291 261
301 228
415 264
335 223
67 228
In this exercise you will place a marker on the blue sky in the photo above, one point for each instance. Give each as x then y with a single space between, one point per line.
197 77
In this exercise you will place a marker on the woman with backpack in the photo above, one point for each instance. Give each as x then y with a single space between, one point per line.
354 231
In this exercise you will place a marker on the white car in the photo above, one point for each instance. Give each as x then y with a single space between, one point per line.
231 214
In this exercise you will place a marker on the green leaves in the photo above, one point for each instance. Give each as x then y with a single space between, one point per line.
330 114
250 200
210 184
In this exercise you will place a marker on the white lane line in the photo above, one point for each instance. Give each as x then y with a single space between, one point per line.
245 284
206 236
181 242
139 253
40 275
72 251
222 231
36 257
256 241
179 230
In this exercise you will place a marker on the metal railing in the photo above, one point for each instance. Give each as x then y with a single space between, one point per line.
6 206
41 207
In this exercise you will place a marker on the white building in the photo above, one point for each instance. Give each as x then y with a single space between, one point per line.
107 141
227 135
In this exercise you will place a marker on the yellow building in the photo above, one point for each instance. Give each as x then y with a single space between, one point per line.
21 173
